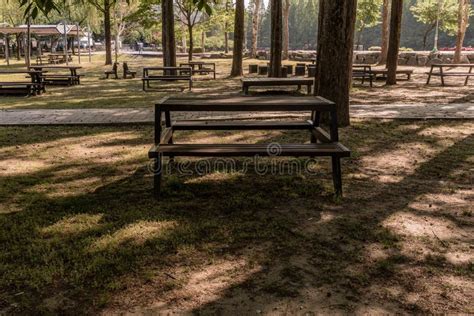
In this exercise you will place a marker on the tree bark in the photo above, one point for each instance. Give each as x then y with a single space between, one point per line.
203 41
191 41
276 38
167 33
239 33
335 50
463 18
108 33
385 31
394 42
255 27
226 34
286 29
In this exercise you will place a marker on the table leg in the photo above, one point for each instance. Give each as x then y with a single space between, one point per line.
429 75
337 175
467 77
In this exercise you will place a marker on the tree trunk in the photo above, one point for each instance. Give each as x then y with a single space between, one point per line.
276 38
255 27
385 31
335 50
463 18
203 41
191 42
286 29
167 34
18 47
226 34
239 33
394 43
108 33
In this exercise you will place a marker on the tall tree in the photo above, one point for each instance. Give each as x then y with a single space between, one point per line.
368 15
435 14
239 33
385 31
276 38
463 20
286 28
394 42
190 15
105 7
335 49
168 34
255 27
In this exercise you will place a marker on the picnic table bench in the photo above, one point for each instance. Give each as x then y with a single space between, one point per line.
200 67
322 142
382 73
363 72
166 74
33 87
442 73
272 82
73 78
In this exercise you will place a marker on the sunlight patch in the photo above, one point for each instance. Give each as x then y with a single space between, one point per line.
10 167
421 226
73 225
136 234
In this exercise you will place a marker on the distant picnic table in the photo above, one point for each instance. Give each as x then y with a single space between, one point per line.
73 78
272 82
200 67
166 74
322 142
442 73
32 87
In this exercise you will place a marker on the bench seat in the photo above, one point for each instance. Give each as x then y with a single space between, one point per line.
452 74
249 150
271 82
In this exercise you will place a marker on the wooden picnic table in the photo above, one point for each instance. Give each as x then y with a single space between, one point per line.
202 67
322 142
272 82
442 73
166 74
32 87
363 72
71 79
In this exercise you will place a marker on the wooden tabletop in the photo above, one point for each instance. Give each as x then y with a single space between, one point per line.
57 67
276 79
238 103
8 72
452 65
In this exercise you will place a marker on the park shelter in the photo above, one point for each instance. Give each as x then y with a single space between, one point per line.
64 31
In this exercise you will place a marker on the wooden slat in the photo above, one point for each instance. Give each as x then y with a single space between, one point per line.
167 134
281 103
233 150
242 125
321 135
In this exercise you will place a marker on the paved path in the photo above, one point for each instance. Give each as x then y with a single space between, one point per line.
145 115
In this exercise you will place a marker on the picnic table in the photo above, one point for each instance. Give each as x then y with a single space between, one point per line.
272 82
72 78
322 142
200 67
442 73
33 87
382 73
166 74
363 72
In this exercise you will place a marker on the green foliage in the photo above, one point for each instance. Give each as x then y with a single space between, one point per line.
428 12
368 13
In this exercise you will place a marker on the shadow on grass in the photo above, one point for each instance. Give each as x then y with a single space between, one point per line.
79 253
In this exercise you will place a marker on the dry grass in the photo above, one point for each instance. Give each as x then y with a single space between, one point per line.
80 232
97 93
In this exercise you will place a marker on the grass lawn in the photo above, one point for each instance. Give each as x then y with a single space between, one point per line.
80 232
94 92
